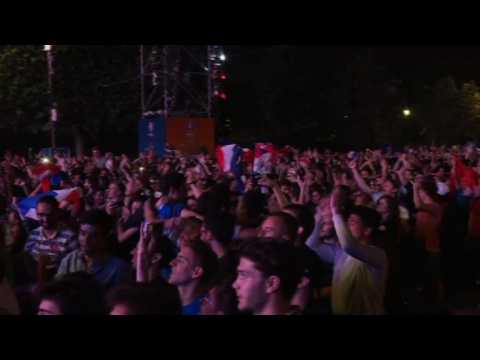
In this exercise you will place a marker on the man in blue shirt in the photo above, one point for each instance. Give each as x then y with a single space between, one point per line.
94 254
192 272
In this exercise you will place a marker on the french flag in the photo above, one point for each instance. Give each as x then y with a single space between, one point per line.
265 156
228 158
463 176
27 207
248 156
48 174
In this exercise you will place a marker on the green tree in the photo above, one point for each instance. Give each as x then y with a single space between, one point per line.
96 88
23 89
469 107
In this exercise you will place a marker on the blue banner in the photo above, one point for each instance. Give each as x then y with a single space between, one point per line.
151 134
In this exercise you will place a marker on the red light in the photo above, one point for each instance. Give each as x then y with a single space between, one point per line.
223 96
223 77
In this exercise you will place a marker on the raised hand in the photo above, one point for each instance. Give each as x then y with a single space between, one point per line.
353 165
266 181
417 182
142 255
384 163
337 201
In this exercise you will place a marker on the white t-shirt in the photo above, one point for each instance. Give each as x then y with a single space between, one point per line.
358 287
443 188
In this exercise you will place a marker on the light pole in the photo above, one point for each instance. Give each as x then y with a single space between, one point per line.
53 106
142 82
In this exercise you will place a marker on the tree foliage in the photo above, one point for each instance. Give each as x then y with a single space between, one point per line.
96 89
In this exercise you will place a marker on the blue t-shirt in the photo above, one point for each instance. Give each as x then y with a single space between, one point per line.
193 308
170 210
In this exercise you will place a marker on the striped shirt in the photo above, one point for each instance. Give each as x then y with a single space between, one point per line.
56 248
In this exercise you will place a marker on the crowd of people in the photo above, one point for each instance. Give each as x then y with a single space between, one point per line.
389 231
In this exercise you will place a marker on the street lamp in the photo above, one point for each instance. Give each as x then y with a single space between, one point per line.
407 113
53 108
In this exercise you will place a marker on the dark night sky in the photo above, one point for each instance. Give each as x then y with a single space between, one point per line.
407 62
412 65
433 62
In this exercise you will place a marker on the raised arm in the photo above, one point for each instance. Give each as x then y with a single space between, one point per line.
368 254
358 178
279 195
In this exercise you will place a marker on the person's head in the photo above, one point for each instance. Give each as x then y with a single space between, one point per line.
312 278
115 190
363 223
316 195
47 212
192 203
362 199
267 273
137 204
155 183
390 186
272 204
14 218
250 208
174 194
195 264
73 294
190 229
218 229
387 207
280 226
144 299
220 300
441 173
77 179
99 198
216 200
305 219
365 173
166 168
327 229
95 226
286 187
90 183
375 184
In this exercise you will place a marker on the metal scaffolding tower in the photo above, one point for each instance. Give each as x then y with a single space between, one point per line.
181 80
